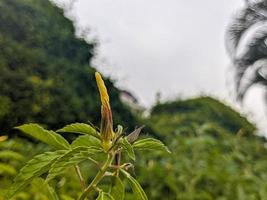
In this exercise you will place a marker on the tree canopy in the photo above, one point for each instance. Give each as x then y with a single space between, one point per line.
45 72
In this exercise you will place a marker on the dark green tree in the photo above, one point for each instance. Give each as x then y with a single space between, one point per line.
45 72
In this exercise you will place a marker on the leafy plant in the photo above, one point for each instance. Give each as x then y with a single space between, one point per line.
215 154
6 158
103 147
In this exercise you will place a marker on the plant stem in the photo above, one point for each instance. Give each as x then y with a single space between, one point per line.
79 174
98 177
118 162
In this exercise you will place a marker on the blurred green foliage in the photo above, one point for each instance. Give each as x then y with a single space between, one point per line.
215 154
45 75
196 112
205 167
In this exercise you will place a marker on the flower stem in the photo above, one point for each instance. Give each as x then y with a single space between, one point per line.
98 177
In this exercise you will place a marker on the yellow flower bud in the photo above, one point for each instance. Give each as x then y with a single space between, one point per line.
102 88
106 128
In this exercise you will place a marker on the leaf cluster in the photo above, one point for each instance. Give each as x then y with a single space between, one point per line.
86 147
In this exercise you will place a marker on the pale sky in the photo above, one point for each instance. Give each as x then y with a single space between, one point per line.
175 47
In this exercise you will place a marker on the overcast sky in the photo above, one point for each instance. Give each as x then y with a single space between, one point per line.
175 47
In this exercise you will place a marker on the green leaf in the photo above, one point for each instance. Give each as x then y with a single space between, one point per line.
128 148
7 169
70 158
117 189
34 168
80 128
86 141
39 184
104 196
51 192
136 187
65 197
10 155
48 137
150 144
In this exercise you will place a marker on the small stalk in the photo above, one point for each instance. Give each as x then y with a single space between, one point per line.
98 177
118 162
79 174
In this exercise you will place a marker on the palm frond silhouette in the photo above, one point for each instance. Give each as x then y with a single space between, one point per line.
246 44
